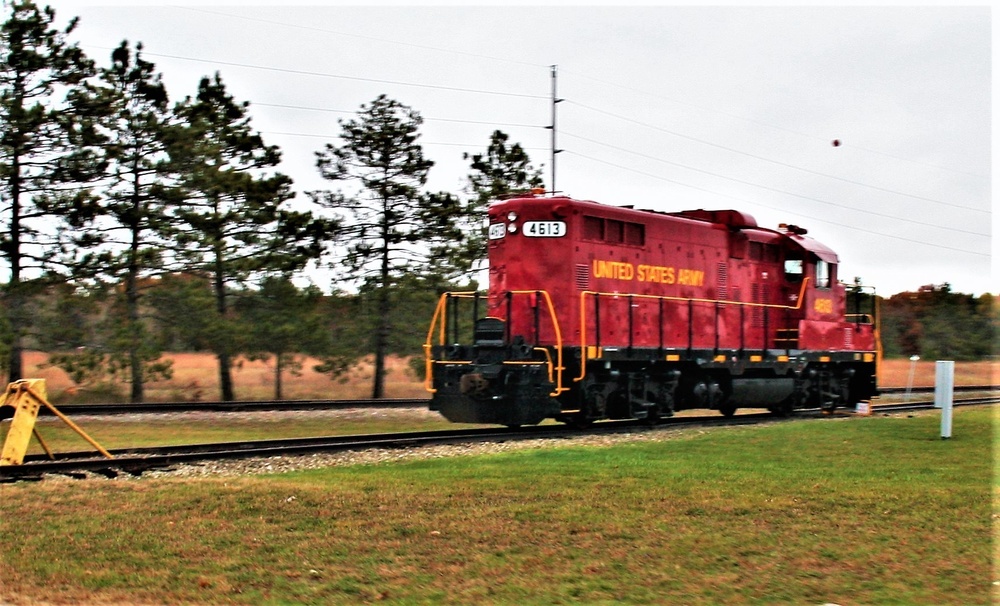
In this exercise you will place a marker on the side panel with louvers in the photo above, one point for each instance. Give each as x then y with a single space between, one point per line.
583 277
723 282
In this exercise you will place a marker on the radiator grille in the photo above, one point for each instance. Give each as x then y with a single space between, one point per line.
757 318
723 282
583 277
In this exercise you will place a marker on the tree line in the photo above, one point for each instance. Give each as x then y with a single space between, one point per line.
938 324
134 222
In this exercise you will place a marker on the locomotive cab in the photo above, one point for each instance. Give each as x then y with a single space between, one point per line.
840 350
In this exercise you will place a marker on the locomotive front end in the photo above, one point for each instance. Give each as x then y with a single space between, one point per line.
492 380
498 358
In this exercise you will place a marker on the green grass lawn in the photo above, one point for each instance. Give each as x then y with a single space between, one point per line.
874 510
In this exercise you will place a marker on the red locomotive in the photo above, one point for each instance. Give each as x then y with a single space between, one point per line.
602 312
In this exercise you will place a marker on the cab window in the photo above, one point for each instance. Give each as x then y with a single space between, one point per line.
822 274
793 270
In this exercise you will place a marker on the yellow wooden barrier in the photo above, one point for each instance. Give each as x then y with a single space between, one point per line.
27 397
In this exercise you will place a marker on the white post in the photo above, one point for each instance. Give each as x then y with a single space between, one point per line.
909 382
944 387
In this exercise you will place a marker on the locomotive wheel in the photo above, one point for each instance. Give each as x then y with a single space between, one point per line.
727 410
578 421
781 410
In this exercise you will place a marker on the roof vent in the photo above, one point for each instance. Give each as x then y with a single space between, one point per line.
793 229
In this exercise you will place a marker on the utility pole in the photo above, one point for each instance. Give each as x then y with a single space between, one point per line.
553 129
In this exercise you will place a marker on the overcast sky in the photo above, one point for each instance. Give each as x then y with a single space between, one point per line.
665 107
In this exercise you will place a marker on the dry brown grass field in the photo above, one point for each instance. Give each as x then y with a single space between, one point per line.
196 378
896 373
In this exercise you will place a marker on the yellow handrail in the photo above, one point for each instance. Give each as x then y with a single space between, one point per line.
583 314
548 357
439 313
878 336
559 346
428 369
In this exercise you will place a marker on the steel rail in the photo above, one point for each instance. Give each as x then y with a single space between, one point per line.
240 406
904 406
289 405
137 460
930 389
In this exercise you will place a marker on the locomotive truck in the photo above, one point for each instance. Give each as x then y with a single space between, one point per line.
608 312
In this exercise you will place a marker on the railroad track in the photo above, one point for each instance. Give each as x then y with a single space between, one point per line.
289 405
135 461
248 406
904 406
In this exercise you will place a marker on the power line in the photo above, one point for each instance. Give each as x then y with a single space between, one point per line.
594 109
336 76
598 80
363 37
780 191
607 113
786 165
427 119
773 126
438 143
811 218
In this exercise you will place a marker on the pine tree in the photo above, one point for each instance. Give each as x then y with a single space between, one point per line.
503 170
46 151
389 224
283 322
230 221
133 103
